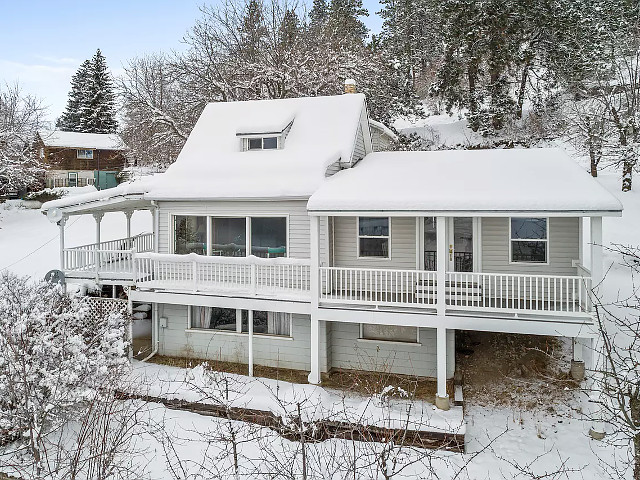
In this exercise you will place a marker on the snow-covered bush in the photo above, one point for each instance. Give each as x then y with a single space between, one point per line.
53 355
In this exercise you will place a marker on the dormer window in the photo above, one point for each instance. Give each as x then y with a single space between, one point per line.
262 143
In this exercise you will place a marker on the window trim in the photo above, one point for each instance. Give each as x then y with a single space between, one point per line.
361 337
238 330
510 240
247 217
76 176
358 237
84 156
246 138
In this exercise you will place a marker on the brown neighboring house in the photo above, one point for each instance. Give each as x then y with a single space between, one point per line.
78 159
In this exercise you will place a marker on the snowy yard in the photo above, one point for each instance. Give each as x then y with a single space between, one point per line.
502 442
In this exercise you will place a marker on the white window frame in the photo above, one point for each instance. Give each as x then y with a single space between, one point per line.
362 338
238 330
245 142
84 155
209 217
358 237
547 249
75 175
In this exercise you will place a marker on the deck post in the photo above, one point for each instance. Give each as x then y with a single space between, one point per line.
442 399
596 252
97 260
577 362
314 375
441 254
61 225
128 214
250 321
155 212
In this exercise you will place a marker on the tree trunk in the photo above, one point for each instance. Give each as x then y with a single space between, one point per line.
627 175
472 75
523 88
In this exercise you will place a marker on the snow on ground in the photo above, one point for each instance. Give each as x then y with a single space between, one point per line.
29 243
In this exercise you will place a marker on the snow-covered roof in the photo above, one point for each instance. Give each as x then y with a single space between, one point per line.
97 141
487 181
383 129
212 164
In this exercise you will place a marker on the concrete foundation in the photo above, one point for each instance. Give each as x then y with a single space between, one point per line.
577 370
443 402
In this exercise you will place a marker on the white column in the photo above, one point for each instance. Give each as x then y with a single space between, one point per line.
596 251
98 219
578 353
156 229
251 343
314 376
128 214
442 399
61 225
441 227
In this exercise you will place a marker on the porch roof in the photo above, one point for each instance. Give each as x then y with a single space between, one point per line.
457 182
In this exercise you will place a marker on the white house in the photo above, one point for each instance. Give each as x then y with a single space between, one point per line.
281 239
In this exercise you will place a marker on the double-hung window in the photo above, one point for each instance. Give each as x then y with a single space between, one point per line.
529 240
373 237
85 154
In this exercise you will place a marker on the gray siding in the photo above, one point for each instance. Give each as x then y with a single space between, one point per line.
403 245
231 347
380 142
348 352
296 209
563 247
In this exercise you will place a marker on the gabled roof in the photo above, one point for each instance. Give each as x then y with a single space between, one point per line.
212 164
489 182
97 141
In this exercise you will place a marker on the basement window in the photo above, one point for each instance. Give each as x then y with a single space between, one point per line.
390 333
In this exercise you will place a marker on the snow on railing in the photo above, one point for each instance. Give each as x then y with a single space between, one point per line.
250 275
369 286
113 256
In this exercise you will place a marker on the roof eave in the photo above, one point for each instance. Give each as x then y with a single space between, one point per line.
463 213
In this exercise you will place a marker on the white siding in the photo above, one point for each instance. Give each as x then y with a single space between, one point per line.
403 245
231 347
563 247
359 150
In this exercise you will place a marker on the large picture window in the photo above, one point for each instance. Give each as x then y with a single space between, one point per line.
229 237
373 237
190 235
390 333
269 237
235 320
529 240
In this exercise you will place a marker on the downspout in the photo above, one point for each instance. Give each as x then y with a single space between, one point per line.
155 341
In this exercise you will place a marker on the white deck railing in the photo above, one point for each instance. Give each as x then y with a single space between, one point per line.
367 286
491 292
250 275
112 256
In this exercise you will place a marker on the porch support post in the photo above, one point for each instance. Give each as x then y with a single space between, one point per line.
314 284
441 227
596 251
98 219
577 362
250 321
61 225
155 212
442 399
128 214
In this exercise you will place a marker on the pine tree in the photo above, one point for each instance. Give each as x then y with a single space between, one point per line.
319 14
70 120
344 20
98 112
91 104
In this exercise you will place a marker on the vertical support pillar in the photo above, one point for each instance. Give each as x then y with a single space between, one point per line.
596 251
577 362
441 228
61 225
156 229
97 260
442 399
98 219
314 284
251 343
128 214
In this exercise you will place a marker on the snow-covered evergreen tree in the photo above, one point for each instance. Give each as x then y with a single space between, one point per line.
91 104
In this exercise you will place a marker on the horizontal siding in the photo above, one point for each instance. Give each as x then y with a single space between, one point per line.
403 245
347 352
359 150
563 247
269 351
296 209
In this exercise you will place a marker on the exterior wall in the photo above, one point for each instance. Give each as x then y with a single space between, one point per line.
66 159
350 352
299 225
60 178
403 245
359 150
379 140
293 352
564 242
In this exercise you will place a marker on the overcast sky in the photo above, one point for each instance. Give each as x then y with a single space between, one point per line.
42 42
